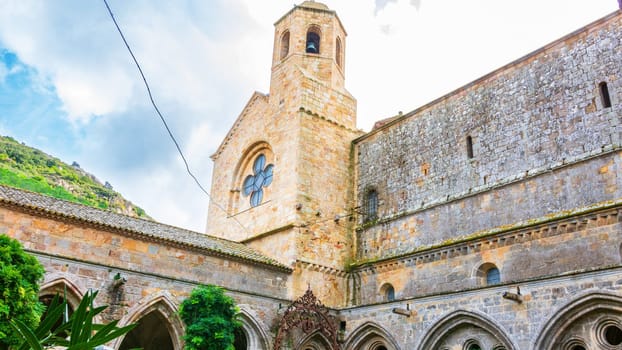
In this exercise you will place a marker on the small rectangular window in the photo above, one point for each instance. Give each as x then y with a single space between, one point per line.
469 145
604 94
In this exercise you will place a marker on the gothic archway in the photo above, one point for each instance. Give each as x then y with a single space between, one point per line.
306 322
314 341
591 321
66 291
64 288
460 328
251 335
159 326
370 336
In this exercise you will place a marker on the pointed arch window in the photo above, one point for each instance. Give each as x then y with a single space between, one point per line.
313 40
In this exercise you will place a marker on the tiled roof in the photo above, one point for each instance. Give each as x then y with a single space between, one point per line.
150 229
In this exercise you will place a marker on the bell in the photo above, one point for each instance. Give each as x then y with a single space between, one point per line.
311 47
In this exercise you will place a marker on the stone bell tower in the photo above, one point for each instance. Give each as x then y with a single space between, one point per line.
282 177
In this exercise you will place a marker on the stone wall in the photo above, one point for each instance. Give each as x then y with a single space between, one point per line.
554 192
88 257
577 242
535 125
418 322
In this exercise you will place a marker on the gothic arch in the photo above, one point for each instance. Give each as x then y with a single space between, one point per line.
315 341
65 289
59 285
162 305
571 313
456 320
256 336
369 336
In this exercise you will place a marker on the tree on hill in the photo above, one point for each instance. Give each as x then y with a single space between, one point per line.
210 318
19 289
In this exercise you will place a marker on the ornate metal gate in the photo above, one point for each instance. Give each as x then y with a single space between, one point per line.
307 316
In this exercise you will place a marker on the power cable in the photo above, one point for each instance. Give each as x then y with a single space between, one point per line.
164 120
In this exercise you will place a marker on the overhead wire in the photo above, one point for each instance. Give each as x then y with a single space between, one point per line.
170 133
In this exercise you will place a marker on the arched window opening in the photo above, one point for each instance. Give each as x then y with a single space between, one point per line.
252 178
284 45
604 94
488 274
469 146
493 276
338 56
371 205
313 41
150 334
388 292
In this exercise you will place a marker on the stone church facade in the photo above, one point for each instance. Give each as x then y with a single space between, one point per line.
489 218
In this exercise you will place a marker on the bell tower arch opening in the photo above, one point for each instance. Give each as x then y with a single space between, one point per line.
313 40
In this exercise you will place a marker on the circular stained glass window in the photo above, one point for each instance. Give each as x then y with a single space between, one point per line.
254 184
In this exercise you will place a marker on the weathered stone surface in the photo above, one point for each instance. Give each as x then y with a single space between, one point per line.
499 221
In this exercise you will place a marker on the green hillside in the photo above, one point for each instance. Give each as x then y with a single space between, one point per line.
33 170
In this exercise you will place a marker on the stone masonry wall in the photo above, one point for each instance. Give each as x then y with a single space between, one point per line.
90 257
550 193
522 322
574 243
534 116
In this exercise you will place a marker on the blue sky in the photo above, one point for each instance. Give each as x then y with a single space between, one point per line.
69 87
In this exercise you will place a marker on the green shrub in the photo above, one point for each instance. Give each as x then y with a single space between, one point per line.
19 300
210 318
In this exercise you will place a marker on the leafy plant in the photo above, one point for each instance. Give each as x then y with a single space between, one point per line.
19 289
83 333
210 318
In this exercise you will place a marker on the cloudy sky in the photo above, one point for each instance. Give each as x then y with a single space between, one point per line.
68 85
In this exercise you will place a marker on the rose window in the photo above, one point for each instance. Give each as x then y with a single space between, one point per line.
262 177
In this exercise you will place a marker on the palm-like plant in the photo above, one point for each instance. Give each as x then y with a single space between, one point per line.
83 333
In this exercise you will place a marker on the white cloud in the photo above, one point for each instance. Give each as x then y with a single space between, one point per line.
4 71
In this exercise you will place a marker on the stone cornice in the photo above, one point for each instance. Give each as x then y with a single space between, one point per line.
320 268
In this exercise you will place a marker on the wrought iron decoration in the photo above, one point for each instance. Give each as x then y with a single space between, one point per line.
308 315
